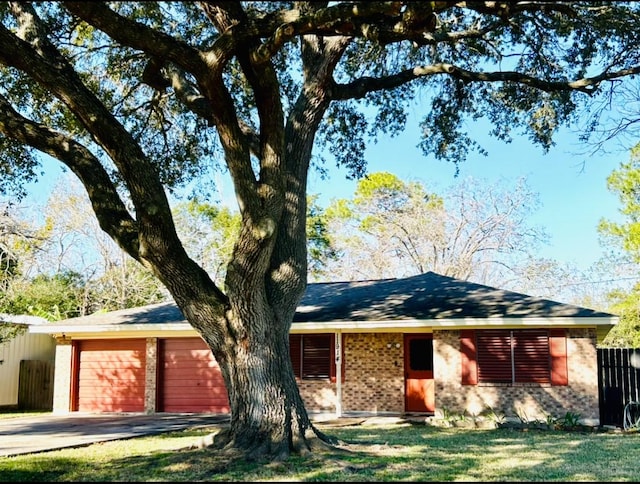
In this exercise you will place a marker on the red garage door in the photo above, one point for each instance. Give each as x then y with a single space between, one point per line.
190 379
111 375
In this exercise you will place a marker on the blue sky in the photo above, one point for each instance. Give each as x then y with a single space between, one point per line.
572 187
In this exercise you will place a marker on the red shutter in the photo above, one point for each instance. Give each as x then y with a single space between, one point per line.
558 357
493 353
531 356
468 357
295 346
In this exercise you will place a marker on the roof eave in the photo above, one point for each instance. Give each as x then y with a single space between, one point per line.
406 325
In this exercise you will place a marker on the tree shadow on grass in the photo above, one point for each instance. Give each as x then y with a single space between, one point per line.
367 453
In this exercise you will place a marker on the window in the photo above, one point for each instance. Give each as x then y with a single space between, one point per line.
514 356
312 356
421 354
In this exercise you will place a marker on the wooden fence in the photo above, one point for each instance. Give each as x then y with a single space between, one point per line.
35 385
618 382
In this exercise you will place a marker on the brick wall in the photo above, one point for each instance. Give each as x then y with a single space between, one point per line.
318 396
373 379
151 375
62 377
530 401
374 374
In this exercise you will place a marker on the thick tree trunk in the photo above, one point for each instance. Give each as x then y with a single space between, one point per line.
268 417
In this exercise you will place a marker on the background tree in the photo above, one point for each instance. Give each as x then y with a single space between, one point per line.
74 242
8 331
320 243
625 236
54 297
64 265
209 233
137 99
471 231
18 242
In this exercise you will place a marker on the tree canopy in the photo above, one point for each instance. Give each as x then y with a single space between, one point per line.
140 99
625 237
471 230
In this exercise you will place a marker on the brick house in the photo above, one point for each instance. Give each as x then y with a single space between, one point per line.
426 344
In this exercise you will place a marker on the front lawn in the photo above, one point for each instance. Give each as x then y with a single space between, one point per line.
395 452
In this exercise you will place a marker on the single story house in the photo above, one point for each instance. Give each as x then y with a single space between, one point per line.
426 344
26 364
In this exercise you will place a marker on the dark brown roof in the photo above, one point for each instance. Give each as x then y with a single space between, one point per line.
426 296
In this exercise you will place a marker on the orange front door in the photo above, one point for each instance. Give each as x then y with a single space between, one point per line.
418 371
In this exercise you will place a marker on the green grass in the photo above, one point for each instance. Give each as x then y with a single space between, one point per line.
396 452
21 413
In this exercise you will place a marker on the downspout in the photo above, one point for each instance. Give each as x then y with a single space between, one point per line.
338 359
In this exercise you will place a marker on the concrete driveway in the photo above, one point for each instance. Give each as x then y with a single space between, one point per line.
40 433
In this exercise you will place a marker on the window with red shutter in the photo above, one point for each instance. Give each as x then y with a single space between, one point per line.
518 356
312 356
316 356
531 356
494 356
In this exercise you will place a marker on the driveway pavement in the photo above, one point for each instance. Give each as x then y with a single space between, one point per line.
40 433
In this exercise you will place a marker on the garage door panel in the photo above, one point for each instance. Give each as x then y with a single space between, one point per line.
110 388
190 380
108 403
106 366
186 353
190 344
193 360
193 373
114 406
188 408
196 391
111 375
186 398
115 357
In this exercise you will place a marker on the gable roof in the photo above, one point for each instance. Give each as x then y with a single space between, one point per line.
425 296
422 301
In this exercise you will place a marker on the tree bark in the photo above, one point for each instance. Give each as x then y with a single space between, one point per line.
268 418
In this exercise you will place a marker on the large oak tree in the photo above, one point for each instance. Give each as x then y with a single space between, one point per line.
137 99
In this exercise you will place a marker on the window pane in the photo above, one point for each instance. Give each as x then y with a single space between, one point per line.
316 356
421 354
494 356
531 356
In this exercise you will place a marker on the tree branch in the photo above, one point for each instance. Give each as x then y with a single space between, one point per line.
365 85
383 22
55 74
109 208
170 75
138 36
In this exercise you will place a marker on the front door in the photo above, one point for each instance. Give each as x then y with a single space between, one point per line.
418 372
